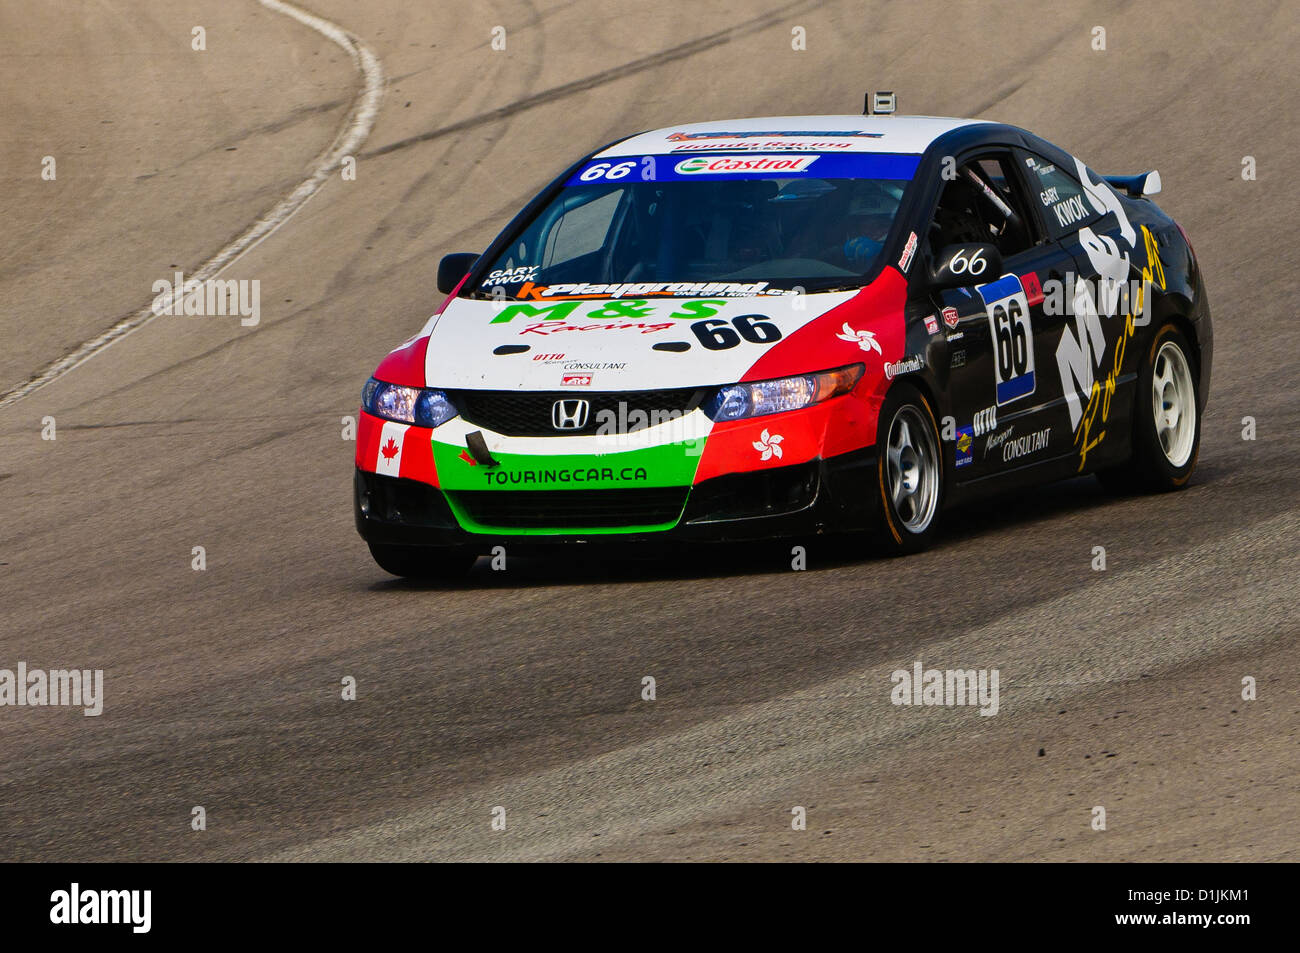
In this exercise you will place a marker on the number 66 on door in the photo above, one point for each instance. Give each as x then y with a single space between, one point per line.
1012 337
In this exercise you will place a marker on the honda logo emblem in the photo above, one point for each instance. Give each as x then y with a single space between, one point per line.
570 414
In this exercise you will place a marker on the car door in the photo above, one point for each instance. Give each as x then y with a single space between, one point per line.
999 391
1084 327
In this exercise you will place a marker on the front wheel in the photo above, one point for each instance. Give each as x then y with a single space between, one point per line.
422 562
1166 420
909 471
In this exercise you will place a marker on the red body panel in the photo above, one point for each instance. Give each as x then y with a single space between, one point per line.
405 365
839 425
417 449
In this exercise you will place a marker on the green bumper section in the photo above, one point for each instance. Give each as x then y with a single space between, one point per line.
671 465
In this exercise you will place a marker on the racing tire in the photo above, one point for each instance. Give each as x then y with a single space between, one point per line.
420 562
1166 420
909 472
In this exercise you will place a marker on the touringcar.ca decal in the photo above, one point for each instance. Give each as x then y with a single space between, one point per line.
566 475
1012 334
661 465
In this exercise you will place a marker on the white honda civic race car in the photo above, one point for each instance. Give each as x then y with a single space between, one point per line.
774 327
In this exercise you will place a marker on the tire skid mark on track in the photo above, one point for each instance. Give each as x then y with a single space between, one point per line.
355 131
681 51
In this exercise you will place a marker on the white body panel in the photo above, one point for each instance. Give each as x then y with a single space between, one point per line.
897 134
612 353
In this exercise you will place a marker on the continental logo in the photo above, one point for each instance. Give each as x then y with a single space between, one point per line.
908 365
566 476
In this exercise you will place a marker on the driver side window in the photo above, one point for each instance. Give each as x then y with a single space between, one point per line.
582 230
983 204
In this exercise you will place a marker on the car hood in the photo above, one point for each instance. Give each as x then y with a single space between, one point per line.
612 344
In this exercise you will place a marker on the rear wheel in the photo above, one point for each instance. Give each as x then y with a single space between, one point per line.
422 562
1166 420
909 470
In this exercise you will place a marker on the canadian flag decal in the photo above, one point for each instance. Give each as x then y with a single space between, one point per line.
389 459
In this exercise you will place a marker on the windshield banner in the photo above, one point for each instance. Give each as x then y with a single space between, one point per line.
674 168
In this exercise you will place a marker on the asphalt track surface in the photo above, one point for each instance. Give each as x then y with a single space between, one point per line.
522 689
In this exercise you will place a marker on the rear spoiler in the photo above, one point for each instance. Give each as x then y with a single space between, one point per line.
1144 183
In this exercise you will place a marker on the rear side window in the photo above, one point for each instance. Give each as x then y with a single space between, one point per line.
1059 196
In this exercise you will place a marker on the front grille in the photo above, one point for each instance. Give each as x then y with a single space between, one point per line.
528 413
571 509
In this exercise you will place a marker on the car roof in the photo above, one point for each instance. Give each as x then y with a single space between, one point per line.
892 134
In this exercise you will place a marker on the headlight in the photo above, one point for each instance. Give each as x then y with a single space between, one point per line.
758 398
424 407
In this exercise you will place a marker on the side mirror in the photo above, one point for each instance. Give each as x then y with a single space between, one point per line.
453 268
965 265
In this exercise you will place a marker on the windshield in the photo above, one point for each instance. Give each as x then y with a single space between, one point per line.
667 225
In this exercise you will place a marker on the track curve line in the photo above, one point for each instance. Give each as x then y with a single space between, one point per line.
353 133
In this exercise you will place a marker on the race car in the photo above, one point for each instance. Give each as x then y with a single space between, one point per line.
770 328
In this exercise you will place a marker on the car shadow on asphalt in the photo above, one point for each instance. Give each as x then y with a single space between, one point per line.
607 564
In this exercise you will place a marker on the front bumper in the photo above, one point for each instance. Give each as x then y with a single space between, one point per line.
820 496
